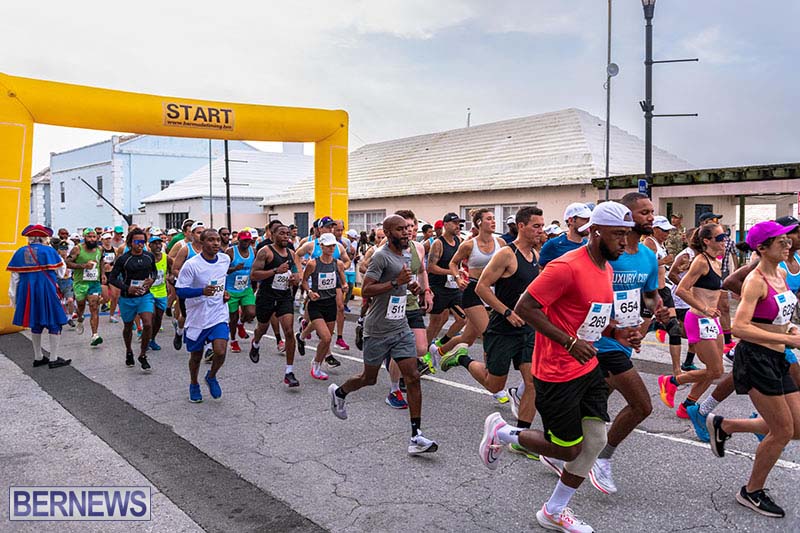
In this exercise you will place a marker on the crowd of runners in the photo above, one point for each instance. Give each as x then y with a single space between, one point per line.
565 304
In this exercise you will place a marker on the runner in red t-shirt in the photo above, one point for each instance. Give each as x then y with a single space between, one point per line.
569 305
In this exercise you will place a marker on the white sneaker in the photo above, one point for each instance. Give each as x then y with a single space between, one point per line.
490 447
512 394
501 396
433 349
338 407
318 373
564 521
79 328
419 444
556 465
601 478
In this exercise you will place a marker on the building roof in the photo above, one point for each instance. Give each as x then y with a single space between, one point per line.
564 147
254 174
776 171
43 176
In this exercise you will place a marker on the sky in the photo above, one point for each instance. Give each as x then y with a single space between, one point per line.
409 67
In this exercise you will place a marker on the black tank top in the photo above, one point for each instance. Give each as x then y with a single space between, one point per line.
508 290
325 279
274 287
448 252
710 280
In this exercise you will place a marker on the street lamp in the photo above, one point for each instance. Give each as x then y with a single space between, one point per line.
647 106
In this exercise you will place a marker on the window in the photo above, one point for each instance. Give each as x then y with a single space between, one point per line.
501 213
365 220
699 209
508 211
174 220
301 221
166 183
63 192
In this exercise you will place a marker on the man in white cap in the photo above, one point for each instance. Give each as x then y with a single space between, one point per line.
553 230
569 305
511 234
576 215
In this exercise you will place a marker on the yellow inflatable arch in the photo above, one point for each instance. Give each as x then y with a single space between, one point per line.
25 101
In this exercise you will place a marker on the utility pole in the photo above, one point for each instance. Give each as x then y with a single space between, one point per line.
210 188
227 186
469 112
611 70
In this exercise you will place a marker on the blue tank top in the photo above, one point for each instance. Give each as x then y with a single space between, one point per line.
191 253
318 250
239 280
792 280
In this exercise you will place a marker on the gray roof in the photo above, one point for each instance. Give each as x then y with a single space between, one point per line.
559 148
254 174
43 176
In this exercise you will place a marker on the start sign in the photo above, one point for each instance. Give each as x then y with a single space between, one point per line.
198 116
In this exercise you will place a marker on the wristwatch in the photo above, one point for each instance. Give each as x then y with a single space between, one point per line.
394 283
507 312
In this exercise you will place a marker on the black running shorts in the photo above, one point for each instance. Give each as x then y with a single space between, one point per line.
503 350
614 363
324 309
266 307
444 299
757 367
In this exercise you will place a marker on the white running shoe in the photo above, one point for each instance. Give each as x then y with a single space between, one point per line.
512 394
490 447
556 465
79 328
419 444
338 407
564 521
601 478
433 349
501 396
318 373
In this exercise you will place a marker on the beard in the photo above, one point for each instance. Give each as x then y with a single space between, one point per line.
607 253
642 230
399 242
90 245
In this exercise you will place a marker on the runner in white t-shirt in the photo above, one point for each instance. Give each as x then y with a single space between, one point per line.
202 283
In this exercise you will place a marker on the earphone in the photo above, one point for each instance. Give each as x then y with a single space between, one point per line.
596 233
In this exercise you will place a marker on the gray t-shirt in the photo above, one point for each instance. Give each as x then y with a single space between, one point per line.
386 315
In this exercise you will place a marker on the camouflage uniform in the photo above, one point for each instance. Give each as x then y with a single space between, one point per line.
676 241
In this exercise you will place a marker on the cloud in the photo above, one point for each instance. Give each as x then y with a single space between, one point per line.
711 46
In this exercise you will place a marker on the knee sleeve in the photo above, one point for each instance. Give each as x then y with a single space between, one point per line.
675 340
594 440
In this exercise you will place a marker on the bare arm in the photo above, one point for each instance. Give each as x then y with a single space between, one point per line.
179 260
343 256
464 249
257 272
364 264
499 264
684 291
678 267
311 265
735 281
754 289
433 258
71 257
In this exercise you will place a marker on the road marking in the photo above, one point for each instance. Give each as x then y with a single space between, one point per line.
788 465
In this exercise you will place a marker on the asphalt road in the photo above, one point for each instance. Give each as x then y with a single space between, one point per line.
288 454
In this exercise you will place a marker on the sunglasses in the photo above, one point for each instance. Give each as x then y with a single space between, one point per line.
721 237
137 241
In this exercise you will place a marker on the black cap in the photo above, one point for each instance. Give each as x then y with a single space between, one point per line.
324 222
452 217
707 216
787 221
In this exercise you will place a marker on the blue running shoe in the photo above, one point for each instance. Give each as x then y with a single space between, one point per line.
153 345
194 393
395 400
699 422
213 386
759 436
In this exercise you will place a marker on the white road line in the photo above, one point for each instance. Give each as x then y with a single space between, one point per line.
788 465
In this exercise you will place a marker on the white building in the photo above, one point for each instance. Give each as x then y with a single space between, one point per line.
548 159
40 198
201 195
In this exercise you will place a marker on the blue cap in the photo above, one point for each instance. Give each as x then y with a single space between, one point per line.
155 238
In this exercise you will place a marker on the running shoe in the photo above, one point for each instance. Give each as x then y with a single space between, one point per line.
688 367
512 393
341 344
760 502
153 345
450 359
490 447
254 355
138 333
104 308
75 316
759 436
522 450
113 320
716 434
395 400
213 386
208 356
145 365
129 360
728 348
41 362
235 348
428 360
563 521
501 396
301 344
290 380
422 368
680 412
332 362
556 465
661 335
360 335
318 373
177 342
601 478
79 327
347 309
281 346
667 390
71 323
698 421
59 362
96 340
195 396
241 332
168 312
419 444
338 407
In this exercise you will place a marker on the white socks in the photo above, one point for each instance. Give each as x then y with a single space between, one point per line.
520 389
36 339
179 331
508 434
708 405
395 386
289 368
560 498
254 344
55 341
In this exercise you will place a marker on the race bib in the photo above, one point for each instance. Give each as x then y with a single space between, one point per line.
451 282
137 283
708 329
219 287
240 282
626 308
786 303
159 278
326 281
280 282
396 309
108 257
91 274
597 319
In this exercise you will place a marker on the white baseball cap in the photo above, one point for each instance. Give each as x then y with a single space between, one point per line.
196 225
662 223
609 214
172 231
577 209
105 236
552 229
511 220
327 239
352 233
